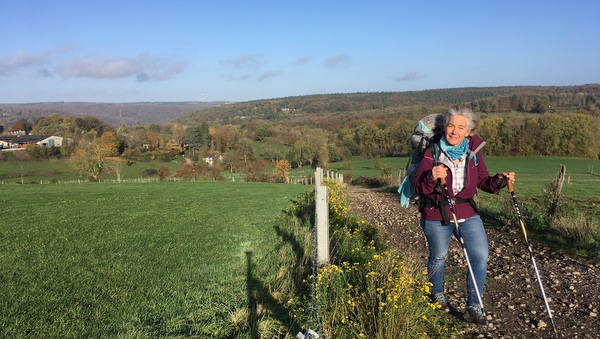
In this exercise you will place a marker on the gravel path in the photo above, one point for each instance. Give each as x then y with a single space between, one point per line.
512 296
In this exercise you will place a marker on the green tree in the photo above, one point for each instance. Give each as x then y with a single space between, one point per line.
231 160
273 149
245 148
199 137
550 135
578 136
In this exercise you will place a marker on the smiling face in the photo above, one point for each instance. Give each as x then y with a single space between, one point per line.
457 129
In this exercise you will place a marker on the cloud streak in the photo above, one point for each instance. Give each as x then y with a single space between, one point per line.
21 60
337 61
249 61
99 67
142 67
267 75
410 76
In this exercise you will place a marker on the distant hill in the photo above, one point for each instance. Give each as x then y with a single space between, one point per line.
328 109
116 114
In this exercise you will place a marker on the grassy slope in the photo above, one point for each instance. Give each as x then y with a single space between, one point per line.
533 173
89 260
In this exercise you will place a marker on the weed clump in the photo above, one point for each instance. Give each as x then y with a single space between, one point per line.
368 290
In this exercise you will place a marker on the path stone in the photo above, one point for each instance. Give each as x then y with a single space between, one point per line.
512 292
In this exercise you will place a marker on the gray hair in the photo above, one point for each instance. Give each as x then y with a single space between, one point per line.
472 118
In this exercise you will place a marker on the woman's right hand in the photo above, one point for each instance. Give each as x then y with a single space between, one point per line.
438 172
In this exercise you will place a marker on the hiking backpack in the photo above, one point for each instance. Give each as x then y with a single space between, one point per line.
426 133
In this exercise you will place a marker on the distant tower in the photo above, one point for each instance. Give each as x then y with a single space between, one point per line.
202 96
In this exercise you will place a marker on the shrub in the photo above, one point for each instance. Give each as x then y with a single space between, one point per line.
255 172
163 172
186 171
282 168
368 290
369 181
581 229
345 166
149 172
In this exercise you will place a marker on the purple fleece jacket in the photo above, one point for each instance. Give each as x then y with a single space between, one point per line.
477 177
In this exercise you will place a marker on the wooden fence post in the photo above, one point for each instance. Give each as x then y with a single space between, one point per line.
322 225
318 177
321 218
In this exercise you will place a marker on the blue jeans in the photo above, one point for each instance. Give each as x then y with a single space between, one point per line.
438 239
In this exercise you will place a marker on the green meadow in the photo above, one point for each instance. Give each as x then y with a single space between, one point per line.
172 259
133 259
532 173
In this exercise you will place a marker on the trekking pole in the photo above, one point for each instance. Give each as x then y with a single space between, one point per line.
511 190
462 242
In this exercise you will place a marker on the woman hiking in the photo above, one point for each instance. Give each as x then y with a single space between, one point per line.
460 164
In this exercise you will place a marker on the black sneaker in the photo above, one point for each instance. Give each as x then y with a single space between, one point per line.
476 315
441 299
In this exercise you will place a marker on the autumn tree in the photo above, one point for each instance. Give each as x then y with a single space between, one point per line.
114 165
90 157
245 148
231 160
283 168
112 143
22 125
163 172
226 138
55 124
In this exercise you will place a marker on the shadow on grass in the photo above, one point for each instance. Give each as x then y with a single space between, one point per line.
258 293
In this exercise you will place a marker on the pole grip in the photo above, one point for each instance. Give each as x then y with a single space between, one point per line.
510 187
443 181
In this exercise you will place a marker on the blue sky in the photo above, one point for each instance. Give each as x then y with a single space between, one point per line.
179 50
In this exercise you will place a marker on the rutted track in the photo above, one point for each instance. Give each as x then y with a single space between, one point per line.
512 296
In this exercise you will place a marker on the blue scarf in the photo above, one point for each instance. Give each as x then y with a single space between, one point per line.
454 152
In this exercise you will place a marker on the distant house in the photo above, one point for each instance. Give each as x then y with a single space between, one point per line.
41 140
5 142
13 132
211 160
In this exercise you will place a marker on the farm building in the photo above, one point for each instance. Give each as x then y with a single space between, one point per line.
41 140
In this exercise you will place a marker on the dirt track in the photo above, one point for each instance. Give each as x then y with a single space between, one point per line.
512 296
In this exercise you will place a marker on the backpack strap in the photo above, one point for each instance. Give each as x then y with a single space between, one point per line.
434 146
473 153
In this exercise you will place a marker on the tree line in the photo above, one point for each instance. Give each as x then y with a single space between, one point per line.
334 129
565 134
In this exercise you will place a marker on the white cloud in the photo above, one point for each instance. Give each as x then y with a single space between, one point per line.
143 68
21 60
161 72
100 67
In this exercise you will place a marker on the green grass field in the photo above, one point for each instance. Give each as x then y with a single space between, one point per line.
168 258
532 173
59 171
132 259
